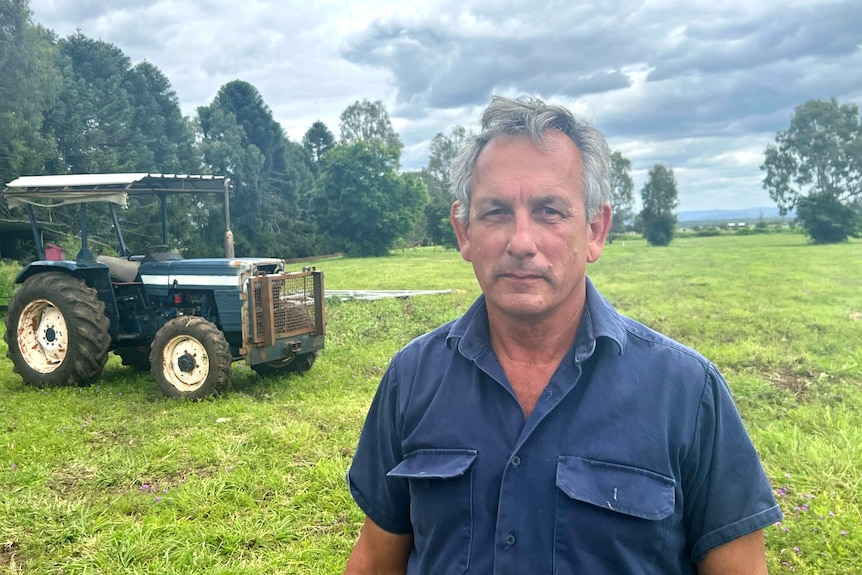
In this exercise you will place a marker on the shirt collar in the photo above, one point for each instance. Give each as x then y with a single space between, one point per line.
471 334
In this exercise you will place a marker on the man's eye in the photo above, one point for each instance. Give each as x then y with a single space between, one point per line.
547 213
493 214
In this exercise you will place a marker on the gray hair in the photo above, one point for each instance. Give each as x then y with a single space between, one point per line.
533 118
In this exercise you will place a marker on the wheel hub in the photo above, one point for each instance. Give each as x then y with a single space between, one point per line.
186 363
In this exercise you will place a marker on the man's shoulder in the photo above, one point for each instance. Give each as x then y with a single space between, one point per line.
636 339
446 339
643 341
430 343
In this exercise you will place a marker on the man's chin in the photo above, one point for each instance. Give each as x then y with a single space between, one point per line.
521 306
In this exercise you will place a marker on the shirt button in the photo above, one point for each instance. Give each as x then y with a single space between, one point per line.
516 461
510 539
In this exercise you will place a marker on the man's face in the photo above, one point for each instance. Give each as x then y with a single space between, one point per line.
528 237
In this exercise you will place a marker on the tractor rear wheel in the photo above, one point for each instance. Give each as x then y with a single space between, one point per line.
190 358
292 364
57 331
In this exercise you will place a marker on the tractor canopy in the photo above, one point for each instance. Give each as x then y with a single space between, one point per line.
51 191
115 189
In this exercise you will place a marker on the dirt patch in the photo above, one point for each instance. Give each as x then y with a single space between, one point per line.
797 383
10 556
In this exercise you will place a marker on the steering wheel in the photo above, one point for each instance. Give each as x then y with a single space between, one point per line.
148 251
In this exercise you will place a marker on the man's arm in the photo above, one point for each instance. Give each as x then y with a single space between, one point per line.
378 552
743 556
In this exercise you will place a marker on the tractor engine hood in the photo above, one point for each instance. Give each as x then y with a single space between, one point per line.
208 274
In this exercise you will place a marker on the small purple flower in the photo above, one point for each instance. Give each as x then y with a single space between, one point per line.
144 487
14 466
796 549
787 476
831 514
843 533
781 492
804 496
158 499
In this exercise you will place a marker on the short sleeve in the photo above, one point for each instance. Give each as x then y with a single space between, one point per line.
385 500
726 492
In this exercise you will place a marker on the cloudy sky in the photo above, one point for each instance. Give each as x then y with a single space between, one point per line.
701 86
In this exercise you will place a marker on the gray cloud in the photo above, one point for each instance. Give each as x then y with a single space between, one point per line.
780 33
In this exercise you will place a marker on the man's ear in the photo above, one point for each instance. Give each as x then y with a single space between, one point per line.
462 231
600 226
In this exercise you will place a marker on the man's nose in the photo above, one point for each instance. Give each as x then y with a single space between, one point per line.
522 241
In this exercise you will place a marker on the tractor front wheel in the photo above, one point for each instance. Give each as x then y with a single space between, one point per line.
57 331
190 358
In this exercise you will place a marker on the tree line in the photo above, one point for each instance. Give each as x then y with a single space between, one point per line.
78 105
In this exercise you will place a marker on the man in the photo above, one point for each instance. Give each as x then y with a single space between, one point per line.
542 432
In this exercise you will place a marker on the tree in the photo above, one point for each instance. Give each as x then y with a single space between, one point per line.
226 152
164 133
820 157
368 121
241 139
826 220
362 203
437 178
659 198
30 85
318 140
622 193
92 118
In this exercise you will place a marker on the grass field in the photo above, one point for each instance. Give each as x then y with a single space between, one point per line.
115 478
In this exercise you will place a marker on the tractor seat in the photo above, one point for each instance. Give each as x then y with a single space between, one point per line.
120 269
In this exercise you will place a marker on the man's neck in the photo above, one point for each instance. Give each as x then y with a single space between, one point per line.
540 341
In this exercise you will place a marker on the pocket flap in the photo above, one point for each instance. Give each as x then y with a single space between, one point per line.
434 464
630 490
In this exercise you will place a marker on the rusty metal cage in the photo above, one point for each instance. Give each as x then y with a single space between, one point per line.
283 305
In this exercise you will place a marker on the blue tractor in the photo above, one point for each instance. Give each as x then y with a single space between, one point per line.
185 320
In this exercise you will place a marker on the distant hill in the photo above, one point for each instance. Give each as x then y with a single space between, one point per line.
730 215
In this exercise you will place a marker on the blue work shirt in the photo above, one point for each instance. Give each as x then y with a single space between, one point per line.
634 460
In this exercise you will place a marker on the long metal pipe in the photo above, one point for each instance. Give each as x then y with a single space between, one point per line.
228 234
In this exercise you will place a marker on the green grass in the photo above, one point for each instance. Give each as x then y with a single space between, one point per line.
115 478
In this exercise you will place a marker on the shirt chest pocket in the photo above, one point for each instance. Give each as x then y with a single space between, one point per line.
441 506
606 513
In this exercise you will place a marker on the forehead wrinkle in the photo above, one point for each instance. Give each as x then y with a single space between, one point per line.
533 199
